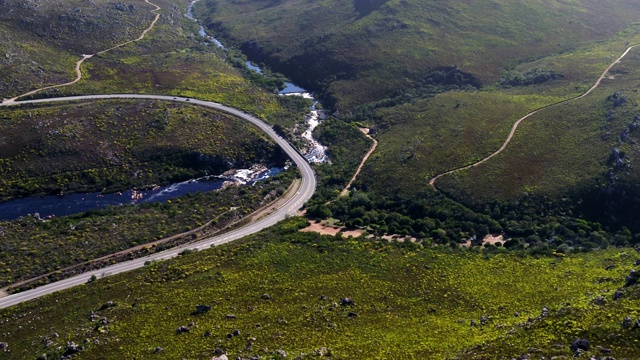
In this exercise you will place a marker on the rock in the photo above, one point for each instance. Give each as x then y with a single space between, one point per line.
324 297
580 345
617 295
265 297
72 348
352 315
282 353
108 304
346 302
600 300
221 357
483 320
182 329
202 309
627 322
4 346
231 317
218 352
545 312
473 323
610 267
207 333
158 350
632 278
516 314
605 350
236 332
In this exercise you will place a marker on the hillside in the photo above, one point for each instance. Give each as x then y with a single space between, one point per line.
281 291
360 51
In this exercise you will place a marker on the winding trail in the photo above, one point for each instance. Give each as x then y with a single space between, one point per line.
345 191
85 57
433 180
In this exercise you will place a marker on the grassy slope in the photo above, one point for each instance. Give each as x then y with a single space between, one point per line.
410 304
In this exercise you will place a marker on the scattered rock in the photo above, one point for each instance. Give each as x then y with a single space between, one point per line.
158 350
265 297
545 312
346 302
182 329
580 345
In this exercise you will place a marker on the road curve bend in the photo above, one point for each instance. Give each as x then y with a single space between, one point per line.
432 181
304 193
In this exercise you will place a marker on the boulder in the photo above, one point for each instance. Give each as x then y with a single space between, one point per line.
632 278
617 295
346 302
182 329
72 348
202 308
580 345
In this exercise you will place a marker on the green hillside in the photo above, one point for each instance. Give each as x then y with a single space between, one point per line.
360 51
281 291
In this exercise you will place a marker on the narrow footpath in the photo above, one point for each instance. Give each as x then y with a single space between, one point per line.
433 180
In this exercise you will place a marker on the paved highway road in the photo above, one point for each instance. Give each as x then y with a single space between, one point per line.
306 190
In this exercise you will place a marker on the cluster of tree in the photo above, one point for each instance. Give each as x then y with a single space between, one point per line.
531 77
539 225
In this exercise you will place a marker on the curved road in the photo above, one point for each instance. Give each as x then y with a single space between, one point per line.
433 180
306 190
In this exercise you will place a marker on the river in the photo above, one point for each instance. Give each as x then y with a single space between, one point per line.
62 205
314 151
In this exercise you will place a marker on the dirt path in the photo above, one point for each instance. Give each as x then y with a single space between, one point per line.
364 160
433 180
85 57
